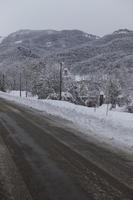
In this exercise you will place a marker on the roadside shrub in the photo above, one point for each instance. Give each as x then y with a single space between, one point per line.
130 108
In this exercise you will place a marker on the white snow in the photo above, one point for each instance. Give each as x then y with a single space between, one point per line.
21 32
122 31
97 37
17 93
1 39
18 42
116 129
86 35
23 94
90 36
49 44
49 32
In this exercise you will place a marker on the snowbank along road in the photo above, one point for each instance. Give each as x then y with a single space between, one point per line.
41 158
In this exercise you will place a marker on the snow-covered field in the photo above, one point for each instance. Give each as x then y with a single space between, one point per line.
23 94
116 129
17 93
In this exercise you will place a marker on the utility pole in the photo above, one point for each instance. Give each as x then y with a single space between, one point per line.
3 83
61 65
26 87
14 84
20 85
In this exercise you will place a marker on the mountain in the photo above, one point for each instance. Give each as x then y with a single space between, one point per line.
102 54
81 52
47 41
29 45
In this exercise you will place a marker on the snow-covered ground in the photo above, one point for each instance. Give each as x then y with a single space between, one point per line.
115 129
23 94
17 93
18 42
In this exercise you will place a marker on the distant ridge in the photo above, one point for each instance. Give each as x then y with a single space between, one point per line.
81 52
122 31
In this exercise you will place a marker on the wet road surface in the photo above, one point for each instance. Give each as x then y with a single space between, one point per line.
41 158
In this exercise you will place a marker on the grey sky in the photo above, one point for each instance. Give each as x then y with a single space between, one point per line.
93 16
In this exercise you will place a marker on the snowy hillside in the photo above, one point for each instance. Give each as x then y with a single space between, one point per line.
81 52
31 52
115 129
1 39
34 45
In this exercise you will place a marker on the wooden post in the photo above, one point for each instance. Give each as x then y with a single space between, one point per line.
14 85
26 88
60 98
3 83
20 85
101 100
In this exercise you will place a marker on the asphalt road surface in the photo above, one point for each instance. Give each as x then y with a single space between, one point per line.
42 159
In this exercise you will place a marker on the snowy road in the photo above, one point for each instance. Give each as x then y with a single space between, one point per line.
52 162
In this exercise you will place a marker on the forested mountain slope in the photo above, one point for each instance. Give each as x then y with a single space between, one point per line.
82 53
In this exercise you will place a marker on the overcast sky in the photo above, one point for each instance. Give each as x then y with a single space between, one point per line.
93 16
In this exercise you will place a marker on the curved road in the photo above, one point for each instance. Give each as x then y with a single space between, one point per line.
40 158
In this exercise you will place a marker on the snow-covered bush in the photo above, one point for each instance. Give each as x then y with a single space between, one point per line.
91 102
113 91
47 82
123 100
53 96
66 96
130 108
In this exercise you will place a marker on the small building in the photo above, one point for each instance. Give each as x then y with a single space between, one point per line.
101 98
